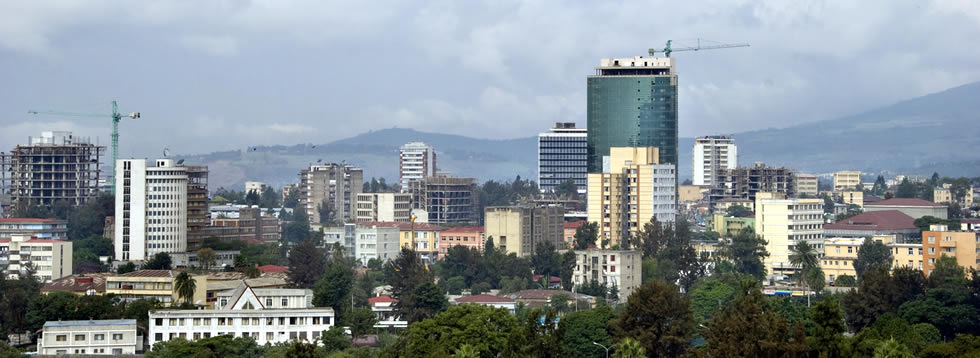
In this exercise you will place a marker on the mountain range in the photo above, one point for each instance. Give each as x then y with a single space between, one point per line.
938 132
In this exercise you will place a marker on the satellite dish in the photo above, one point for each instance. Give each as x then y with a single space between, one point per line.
166 152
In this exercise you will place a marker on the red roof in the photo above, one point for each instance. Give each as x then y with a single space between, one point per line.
903 202
464 229
483 299
273 268
574 224
875 220
381 299
552 279
26 219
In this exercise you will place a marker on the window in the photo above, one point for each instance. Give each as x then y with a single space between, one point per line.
285 302
117 351
61 338
158 337
268 302
117 336
79 337
99 337
269 336
932 239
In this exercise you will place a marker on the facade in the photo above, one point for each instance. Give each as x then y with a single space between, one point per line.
384 207
445 200
269 316
561 156
940 240
198 211
250 225
470 237
728 226
907 255
376 242
38 228
224 258
383 307
522 229
711 154
783 222
875 223
916 208
570 228
838 257
807 184
416 160
51 259
490 301
847 180
334 185
158 284
98 337
256 186
56 166
852 197
744 183
691 193
632 102
632 189
425 241
151 209
721 206
620 268
944 195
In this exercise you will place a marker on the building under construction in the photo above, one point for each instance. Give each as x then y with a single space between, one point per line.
744 183
446 200
198 214
56 166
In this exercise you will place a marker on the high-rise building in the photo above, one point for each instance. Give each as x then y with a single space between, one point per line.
57 166
384 207
198 212
783 222
711 154
744 183
632 102
562 155
522 229
445 199
941 240
416 160
847 180
807 184
151 209
333 187
50 259
631 189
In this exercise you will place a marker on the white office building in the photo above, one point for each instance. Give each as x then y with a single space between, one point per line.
562 153
266 315
711 154
366 240
98 337
416 160
620 268
151 209
50 259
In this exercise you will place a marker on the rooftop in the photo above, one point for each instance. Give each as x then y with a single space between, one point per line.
149 273
544 295
904 202
381 299
259 282
273 268
15 220
483 299
78 283
465 229
403 225
875 220
574 224
101 322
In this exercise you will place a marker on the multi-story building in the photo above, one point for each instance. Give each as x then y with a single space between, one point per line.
942 240
838 257
522 229
744 183
57 166
875 223
807 184
632 102
632 188
470 237
722 206
711 154
416 160
151 209
691 193
570 227
852 197
50 259
269 316
93 337
333 186
376 242
384 207
384 308
222 259
620 268
286 189
783 222
906 255
155 284
562 155
446 200
388 237
254 186
916 208
198 212
38 228
249 225
945 195
846 180
728 226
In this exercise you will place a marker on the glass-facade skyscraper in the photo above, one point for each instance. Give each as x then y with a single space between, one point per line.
562 156
632 102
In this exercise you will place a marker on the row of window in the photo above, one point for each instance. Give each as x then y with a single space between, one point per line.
244 321
269 336
81 337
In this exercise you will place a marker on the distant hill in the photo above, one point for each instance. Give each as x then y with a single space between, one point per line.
937 132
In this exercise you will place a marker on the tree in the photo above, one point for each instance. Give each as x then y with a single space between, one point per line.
947 304
738 211
709 294
218 346
567 269
306 264
872 255
892 349
466 351
185 286
584 327
326 211
486 329
845 281
906 189
746 252
925 222
406 274
126 268
947 272
298 229
827 337
660 317
269 198
334 339
252 198
207 258
630 348
160 261
427 301
873 298
586 235
88 220
880 186
545 260
828 204
362 321
745 328
567 188
334 288
804 257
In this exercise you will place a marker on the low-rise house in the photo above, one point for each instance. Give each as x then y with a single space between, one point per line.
490 301
620 268
383 307
98 337
543 298
470 237
158 284
90 284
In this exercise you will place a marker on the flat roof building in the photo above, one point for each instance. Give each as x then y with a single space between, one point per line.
38 228
416 160
562 154
50 259
94 337
620 268
916 208
711 154
56 166
847 180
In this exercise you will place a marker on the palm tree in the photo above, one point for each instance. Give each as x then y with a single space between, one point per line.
805 258
630 348
466 351
185 286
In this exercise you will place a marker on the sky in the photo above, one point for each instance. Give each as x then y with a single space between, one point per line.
228 74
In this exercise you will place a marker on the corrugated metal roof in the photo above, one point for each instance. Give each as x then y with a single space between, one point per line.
101 322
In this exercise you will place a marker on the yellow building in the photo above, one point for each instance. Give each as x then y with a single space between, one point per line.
838 257
945 196
632 189
730 226
721 206
906 255
783 222
691 192
518 230
853 197
846 179
939 241
158 284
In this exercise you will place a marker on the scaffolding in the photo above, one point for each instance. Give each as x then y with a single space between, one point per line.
744 183
56 166
198 215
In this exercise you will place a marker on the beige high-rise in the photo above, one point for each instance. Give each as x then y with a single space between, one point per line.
783 222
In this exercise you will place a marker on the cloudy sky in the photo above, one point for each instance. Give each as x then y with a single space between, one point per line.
218 75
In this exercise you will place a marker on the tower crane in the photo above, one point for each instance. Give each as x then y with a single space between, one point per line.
115 116
667 50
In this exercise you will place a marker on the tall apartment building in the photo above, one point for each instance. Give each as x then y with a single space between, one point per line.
416 160
384 207
620 268
336 185
38 228
522 229
198 212
151 209
745 182
783 222
807 184
632 188
942 240
446 200
846 180
632 102
711 154
51 259
562 155
57 166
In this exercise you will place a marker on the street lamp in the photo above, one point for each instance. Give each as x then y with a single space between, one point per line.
604 347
